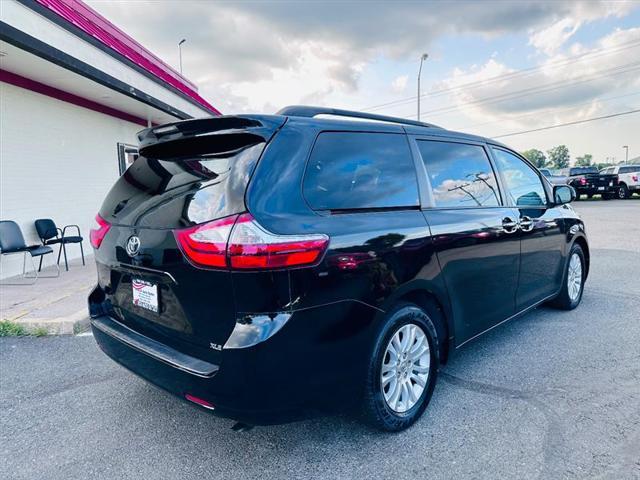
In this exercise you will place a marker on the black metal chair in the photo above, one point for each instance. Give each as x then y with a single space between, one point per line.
12 242
50 234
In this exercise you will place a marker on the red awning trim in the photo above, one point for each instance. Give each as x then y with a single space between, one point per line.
34 86
90 22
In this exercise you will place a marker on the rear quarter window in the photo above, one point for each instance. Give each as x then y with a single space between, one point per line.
359 170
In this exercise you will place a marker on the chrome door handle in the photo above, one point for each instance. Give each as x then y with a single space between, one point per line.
526 224
509 225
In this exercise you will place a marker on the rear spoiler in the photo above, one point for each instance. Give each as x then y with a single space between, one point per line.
259 125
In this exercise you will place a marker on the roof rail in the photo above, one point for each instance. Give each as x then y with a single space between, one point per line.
307 111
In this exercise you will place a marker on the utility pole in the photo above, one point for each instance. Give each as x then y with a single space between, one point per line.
423 57
626 154
180 52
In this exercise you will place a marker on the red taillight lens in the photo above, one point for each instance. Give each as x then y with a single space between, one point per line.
252 247
206 244
240 242
583 181
635 178
97 233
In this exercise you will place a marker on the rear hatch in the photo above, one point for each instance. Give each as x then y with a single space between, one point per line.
187 174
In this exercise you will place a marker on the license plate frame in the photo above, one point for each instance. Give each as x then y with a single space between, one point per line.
145 294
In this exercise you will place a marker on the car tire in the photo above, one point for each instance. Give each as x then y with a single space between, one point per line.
623 192
413 378
569 298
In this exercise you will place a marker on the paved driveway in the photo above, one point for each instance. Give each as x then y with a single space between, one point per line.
552 395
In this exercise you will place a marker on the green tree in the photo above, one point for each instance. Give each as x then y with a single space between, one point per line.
559 156
584 161
535 156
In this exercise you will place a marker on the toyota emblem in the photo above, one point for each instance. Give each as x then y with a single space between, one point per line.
133 245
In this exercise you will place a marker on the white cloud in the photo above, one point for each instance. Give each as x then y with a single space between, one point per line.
562 89
550 39
399 84
257 55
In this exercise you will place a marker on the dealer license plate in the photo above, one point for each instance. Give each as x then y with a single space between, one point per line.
145 294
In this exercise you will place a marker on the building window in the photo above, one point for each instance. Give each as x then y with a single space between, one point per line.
127 154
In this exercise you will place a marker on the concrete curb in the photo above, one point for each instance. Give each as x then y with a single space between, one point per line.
68 325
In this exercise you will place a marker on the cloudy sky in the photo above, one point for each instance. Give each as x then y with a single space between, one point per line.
495 67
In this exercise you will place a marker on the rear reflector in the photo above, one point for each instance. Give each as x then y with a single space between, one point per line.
239 242
200 401
99 230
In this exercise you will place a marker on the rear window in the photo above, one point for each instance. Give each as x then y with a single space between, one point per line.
582 170
630 169
169 187
354 170
460 174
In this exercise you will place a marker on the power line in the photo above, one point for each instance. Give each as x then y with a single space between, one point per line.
534 90
593 119
618 70
523 72
552 110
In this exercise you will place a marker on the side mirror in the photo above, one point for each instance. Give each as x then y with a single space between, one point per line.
563 194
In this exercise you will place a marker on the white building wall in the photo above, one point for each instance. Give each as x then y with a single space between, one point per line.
57 160
23 18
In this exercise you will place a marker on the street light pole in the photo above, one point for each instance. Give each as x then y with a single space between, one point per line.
626 154
423 57
180 52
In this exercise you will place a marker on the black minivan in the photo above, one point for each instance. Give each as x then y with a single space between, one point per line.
266 267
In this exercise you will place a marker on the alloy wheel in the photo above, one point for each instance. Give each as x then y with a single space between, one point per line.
574 277
405 368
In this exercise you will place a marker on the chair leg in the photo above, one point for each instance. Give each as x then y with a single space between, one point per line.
66 264
33 277
82 254
57 274
59 253
40 266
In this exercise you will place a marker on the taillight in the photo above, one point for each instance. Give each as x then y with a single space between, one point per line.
251 246
583 181
239 242
206 244
635 178
97 233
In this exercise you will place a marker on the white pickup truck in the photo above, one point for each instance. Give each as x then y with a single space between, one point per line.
628 179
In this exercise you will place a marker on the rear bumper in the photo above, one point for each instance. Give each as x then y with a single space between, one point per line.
233 396
591 190
313 364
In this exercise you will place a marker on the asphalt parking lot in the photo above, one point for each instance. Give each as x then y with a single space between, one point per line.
551 395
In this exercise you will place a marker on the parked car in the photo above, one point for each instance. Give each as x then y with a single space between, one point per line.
552 177
628 179
589 181
266 267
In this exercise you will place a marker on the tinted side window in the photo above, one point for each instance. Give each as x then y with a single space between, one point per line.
460 174
349 170
525 187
